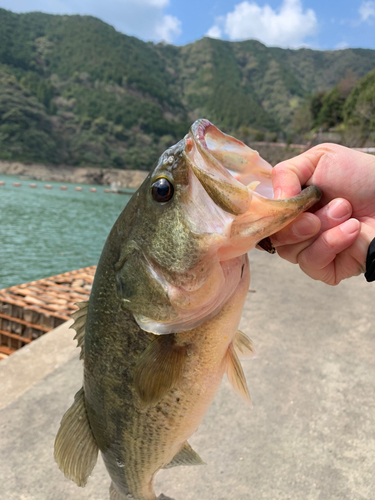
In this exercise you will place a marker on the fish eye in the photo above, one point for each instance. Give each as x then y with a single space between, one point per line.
162 190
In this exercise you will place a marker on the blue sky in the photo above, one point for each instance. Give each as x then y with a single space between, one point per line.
319 24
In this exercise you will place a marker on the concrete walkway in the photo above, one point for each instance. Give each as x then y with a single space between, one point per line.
310 435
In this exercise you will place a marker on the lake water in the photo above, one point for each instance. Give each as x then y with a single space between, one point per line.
44 232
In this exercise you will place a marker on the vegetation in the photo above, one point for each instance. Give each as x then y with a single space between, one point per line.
25 128
75 91
348 109
359 112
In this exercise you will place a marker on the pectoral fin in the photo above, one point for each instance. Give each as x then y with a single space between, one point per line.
243 346
79 325
186 456
76 451
236 375
159 368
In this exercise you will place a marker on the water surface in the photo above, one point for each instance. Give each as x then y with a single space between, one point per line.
44 232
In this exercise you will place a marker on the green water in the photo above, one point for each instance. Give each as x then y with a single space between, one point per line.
44 232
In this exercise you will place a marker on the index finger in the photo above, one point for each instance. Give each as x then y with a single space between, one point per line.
290 175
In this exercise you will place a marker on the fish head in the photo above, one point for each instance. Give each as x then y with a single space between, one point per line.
184 238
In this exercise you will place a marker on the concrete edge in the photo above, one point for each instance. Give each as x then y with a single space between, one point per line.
29 365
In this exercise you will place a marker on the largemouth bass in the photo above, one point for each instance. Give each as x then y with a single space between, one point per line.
161 326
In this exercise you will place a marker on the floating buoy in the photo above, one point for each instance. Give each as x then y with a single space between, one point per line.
17 184
33 185
63 188
48 186
93 190
2 183
78 188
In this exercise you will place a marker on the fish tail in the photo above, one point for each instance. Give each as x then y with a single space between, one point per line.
114 494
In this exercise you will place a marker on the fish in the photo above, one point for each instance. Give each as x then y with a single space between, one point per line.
160 328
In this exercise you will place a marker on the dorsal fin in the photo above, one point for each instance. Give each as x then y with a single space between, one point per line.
236 375
186 456
79 325
76 450
159 368
243 346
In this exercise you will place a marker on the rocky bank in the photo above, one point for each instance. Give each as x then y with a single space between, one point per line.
75 175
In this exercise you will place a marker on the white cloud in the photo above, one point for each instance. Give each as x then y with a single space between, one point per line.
214 32
141 18
342 46
168 28
287 26
367 11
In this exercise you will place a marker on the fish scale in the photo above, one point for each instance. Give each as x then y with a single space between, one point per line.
160 424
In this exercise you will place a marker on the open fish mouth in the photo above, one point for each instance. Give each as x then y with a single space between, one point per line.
238 180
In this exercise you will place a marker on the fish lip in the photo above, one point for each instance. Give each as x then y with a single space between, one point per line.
199 128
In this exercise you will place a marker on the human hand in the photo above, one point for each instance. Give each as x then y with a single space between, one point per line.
330 244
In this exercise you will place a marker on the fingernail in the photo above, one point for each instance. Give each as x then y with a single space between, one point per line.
277 194
350 226
305 226
338 209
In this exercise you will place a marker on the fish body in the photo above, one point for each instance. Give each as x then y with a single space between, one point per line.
161 326
137 439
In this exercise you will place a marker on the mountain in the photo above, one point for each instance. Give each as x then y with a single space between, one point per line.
75 91
359 112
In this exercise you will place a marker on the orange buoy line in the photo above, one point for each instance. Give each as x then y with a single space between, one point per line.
49 186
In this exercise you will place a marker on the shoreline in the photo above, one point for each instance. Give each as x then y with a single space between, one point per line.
75 175
273 153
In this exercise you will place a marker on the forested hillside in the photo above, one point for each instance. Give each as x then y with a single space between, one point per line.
74 91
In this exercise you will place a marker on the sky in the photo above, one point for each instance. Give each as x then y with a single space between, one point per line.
318 24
